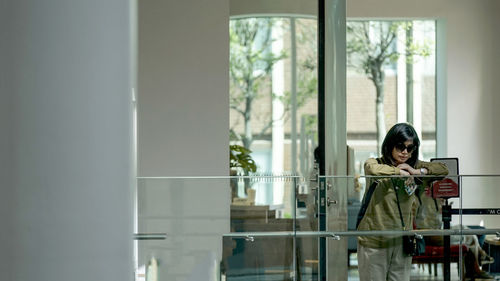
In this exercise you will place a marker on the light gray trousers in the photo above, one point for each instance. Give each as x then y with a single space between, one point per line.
383 264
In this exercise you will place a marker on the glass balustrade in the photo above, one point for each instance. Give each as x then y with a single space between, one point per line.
270 227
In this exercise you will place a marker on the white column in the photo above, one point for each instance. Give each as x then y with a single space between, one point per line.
293 99
418 76
66 86
278 134
441 90
401 76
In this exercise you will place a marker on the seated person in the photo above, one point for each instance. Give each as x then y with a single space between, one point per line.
429 217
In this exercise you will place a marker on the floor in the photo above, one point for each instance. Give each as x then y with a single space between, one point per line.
418 273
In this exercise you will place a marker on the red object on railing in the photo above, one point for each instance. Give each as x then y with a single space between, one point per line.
446 188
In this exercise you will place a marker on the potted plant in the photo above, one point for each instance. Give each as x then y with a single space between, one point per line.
240 159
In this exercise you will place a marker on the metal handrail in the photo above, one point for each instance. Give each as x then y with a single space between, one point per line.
150 236
321 176
337 234
400 176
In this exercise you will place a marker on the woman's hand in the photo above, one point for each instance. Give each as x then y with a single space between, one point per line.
403 172
408 169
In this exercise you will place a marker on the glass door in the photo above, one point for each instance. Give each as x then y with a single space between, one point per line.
274 120
287 99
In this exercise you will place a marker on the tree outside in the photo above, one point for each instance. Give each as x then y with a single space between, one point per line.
371 48
251 64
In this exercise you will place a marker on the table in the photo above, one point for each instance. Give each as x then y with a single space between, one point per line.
492 245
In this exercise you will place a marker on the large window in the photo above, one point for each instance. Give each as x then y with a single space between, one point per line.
391 78
273 97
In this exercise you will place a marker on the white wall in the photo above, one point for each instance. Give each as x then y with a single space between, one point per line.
6 155
65 146
496 77
183 130
183 113
472 83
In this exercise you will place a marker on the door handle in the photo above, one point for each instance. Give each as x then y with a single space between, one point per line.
330 202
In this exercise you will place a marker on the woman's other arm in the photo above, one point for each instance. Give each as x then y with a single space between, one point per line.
433 168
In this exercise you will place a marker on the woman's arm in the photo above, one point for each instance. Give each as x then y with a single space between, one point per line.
373 168
425 168
437 169
433 168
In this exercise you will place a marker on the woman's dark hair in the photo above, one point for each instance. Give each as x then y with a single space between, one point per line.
400 133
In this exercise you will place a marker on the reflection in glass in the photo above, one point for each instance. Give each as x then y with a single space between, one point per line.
279 257
198 241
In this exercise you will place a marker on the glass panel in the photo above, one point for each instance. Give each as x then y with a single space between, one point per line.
307 254
194 214
265 258
473 249
234 228
480 210
208 237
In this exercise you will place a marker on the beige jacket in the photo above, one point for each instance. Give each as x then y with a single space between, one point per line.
382 210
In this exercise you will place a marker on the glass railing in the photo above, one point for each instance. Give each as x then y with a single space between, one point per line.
271 227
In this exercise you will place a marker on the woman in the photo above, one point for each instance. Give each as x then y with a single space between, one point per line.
381 257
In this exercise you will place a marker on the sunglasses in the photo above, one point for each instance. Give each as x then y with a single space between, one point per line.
401 147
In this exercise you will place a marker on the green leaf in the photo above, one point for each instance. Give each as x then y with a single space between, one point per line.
239 157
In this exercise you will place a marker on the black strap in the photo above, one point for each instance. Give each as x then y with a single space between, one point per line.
366 201
418 194
436 204
399 207
366 198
